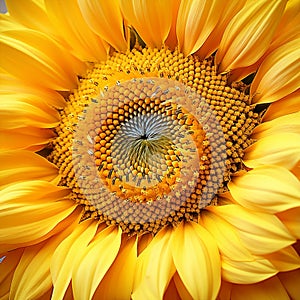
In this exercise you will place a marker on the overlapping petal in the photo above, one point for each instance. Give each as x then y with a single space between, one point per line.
269 189
197 260
155 268
249 34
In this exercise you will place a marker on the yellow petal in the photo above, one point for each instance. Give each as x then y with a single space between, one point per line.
291 219
105 19
195 22
248 271
255 228
32 278
49 64
269 189
197 260
30 209
11 85
120 274
171 40
249 34
7 267
151 19
30 138
85 44
91 267
290 281
183 292
265 290
288 123
212 42
67 253
280 149
287 105
22 165
278 75
155 268
24 16
284 260
226 237
25 113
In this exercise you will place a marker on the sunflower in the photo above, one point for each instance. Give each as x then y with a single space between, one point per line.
150 149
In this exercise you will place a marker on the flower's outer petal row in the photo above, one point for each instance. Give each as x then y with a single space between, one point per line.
197 260
32 278
286 259
289 123
7 268
20 165
269 189
26 111
213 41
285 106
287 30
280 149
50 65
29 138
290 280
105 19
195 22
255 228
11 85
90 268
248 271
86 45
120 274
23 11
155 268
248 35
291 219
151 19
278 75
223 232
31 209
67 253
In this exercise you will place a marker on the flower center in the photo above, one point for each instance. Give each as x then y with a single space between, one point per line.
150 138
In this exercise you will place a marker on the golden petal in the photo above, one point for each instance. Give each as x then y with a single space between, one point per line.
290 280
268 189
248 35
151 19
286 259
155 268
23 165
287 105
281 149
67 253
90 267
227 239
195 22
213 41
278 75
120 274
291 219
171 292
105 19
265 290
285 124
255 228
171 40
27 112
197 260
30 138
50 65
86 45
247 272
183 292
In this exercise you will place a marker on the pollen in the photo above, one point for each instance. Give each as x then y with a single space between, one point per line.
150 138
